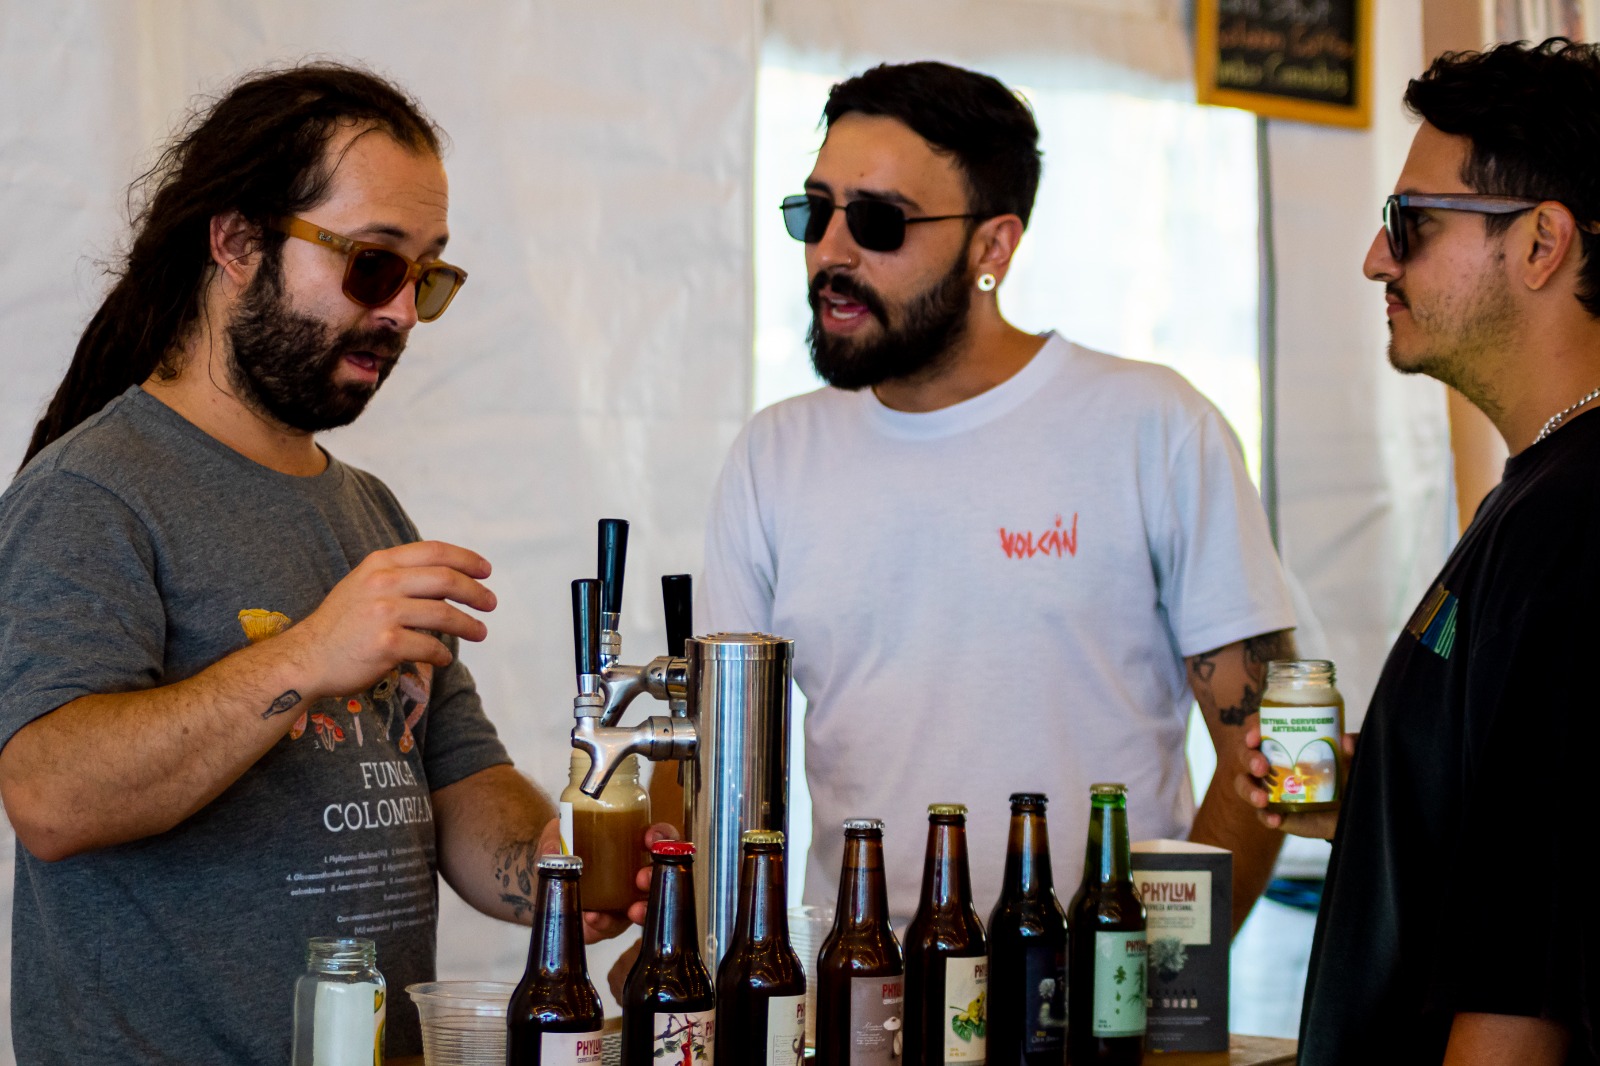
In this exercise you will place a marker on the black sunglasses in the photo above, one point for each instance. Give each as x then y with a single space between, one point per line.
876 225
1399 212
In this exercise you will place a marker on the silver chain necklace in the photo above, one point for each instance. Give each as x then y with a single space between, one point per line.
1560 416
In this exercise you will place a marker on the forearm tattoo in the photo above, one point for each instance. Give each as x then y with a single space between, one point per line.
1258 651
282 704
514 867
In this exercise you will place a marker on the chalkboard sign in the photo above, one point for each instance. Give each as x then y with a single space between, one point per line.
1308 60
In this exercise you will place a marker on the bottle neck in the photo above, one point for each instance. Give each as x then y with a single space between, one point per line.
863 893
557 944
946 882
1027 856
762 915
669 922
1106 860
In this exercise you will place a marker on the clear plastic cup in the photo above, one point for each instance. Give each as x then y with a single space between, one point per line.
808 928
463 1022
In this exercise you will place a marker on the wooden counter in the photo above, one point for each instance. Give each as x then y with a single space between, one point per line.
1244 1051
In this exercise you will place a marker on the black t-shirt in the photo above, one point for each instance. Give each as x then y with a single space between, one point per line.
1458 881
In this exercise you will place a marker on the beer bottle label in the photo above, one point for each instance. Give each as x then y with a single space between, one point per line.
1119 984
685 1036
570 1049
1302 746
1046 993
876 1004
966 1022
786 1031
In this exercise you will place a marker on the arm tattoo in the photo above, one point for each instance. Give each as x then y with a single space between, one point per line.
283 703
1258 651
514 867
1269 646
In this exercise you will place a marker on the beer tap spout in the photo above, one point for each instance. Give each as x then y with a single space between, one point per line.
657 738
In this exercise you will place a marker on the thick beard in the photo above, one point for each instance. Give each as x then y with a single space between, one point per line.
923 342
283 363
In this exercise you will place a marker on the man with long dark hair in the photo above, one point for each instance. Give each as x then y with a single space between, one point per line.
1007 561
1458 922
233 716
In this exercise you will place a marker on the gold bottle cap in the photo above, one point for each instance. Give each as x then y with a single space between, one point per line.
1108 789
761 836
947 810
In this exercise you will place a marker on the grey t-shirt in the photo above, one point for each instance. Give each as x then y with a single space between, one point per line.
135 552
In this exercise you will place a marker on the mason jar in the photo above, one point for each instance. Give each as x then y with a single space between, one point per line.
339 1004
1302 736
607 832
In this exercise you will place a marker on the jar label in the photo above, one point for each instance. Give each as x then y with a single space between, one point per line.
1302 746
1046 995
570 1049
786 1031
1119 984
685 1036
876 1004
347 1021
966 1023
565 810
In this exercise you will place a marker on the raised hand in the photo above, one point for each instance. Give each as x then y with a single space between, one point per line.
390 609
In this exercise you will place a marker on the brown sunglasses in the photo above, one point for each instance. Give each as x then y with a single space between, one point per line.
373 274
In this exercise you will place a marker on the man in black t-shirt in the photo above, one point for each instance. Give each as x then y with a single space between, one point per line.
1456 923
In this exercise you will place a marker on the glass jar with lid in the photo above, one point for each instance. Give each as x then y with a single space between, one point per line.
339 1004
1302 736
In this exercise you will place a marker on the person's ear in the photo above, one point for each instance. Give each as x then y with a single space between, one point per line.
1549 239
993 244
235 247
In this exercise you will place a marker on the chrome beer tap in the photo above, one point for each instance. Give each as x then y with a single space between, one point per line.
727 726
657 738
666 676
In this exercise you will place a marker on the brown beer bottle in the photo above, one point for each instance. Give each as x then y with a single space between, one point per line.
761 987
1027 948
860 972
947 959
554 1015
669 1011
1106 943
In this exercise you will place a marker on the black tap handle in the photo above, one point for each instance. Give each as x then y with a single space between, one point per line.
677 594
586 624
613 561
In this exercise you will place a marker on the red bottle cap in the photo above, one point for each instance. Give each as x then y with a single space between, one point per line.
672 847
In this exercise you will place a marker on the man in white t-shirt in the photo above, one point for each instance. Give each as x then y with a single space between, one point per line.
1008 563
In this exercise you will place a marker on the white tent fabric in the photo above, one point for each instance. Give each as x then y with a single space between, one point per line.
599 361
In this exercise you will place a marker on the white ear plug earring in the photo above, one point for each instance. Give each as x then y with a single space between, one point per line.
986 283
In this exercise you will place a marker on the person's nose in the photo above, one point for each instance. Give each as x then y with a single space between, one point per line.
1380 263
400 313
837 248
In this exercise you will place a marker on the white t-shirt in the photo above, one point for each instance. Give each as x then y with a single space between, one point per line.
994 597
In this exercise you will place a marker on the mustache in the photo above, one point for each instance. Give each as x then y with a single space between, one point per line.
386 344
1391 289
848 287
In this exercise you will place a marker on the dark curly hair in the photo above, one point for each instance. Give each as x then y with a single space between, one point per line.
1532 113
257 150
974 117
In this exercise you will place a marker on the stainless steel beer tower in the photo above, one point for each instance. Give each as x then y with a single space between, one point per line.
728 724
738 778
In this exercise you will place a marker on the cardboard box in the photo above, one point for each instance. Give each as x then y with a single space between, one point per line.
1188 899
